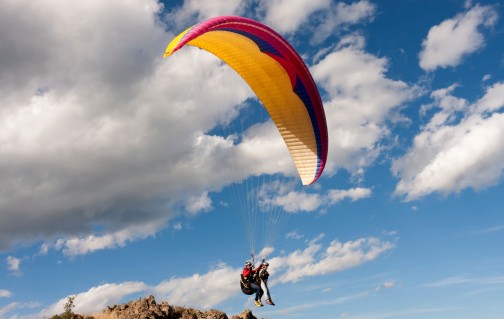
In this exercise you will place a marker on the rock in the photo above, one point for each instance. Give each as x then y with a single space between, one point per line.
215 314
247 314
190 313
148 308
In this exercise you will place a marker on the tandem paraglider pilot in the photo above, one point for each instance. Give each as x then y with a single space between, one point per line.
249 285
263 276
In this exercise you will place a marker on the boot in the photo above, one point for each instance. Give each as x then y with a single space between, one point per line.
258 303
269 302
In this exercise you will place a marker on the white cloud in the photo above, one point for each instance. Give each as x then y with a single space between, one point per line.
96 131
453 39
194 11
359 100
286 16
300 201
5 293
336 195
342 14
493 100
196 204
386 285
13 264
200 290
294 235
17 305
83 245
338 256
59 132
448 155
265 252
44 249
97 298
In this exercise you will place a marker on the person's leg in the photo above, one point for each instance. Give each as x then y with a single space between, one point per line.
265 288
258 292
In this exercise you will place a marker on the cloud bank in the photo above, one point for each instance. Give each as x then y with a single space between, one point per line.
94 130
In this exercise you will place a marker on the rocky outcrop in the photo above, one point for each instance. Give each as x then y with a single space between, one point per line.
148 308
247 314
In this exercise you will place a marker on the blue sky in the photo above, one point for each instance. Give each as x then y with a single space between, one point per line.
117 165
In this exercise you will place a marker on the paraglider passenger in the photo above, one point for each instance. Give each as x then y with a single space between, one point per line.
249 274
263 278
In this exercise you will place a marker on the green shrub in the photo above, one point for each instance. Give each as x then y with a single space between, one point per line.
68 313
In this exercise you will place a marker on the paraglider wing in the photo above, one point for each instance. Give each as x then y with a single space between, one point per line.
279 78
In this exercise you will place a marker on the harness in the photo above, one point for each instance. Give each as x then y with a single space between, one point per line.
245 286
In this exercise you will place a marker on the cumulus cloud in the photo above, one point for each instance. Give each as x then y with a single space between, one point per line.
359 99
492 101
337 256
73 246
199 290
97 298
95 131
15 306
287 16
341 14
284 195
56 138
298 201
201 203
266 252
294 235
5 293
14 264
448 155
336 195
453 39
193 11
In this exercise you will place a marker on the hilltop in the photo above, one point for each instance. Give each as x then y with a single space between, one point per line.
148 308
